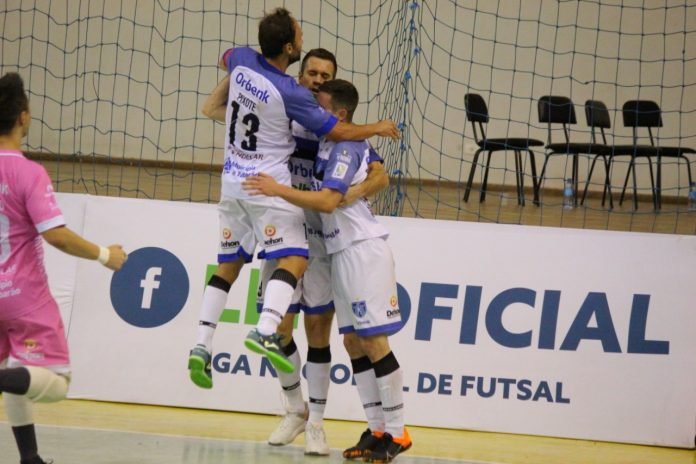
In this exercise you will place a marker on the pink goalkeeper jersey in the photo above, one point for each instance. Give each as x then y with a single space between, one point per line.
27 208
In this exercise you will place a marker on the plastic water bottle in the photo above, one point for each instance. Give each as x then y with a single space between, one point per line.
692 197
568 195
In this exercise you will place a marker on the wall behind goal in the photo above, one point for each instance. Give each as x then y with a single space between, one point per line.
510 330
125 79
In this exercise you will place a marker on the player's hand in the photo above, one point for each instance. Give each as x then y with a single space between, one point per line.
387 128
261 184
353 193
117 257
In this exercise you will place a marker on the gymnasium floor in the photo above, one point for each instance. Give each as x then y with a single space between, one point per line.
90 432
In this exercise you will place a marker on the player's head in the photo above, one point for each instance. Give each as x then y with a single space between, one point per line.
14 105
340 97
280 33
318 66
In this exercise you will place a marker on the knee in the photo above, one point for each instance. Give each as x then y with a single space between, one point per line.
46 386
352 345
318 329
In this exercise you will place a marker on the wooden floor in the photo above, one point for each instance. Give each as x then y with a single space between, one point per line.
425 199
430 445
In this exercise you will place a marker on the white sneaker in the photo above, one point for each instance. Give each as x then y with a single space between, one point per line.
315 440
291 425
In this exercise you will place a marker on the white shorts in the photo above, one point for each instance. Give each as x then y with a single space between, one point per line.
313 294
271 222
364 286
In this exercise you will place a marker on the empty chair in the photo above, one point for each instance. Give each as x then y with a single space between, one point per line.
597 117
477 113
554 109
647 113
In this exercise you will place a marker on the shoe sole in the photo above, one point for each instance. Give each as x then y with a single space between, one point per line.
294 435
197 373
368 458
317 453
279 362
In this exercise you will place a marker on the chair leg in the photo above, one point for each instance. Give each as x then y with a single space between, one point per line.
635 188
541 177
589 178
652 181
631 166
484 186
575 179
519 177
535 180
607 182
688 168
471 175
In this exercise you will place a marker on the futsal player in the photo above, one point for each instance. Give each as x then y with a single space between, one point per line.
34 358
363 279
258 101
313 295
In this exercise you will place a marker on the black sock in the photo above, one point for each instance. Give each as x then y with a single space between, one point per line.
25 436
14 380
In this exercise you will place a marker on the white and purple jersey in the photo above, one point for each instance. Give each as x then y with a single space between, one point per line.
262 103
302 164
346 165
27 208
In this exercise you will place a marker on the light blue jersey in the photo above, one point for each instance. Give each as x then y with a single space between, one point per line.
346 164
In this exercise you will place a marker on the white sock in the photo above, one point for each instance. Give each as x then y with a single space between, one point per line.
391 392
371 401
318 381
214 301
292 388
275 305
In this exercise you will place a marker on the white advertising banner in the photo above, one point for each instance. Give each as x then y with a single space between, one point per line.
557 332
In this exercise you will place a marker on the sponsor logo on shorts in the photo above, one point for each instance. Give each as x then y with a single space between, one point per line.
30 344
226 233
273 241
269 230
393 301
359 308
229 244
30 347
393 313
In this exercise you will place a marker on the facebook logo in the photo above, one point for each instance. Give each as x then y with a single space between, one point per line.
151 288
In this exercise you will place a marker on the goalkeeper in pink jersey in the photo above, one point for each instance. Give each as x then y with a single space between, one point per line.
34 359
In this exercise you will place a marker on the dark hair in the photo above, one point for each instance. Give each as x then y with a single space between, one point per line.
275 30
13 101
344 95
322 54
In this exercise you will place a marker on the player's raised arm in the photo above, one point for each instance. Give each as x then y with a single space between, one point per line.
350 131
215 105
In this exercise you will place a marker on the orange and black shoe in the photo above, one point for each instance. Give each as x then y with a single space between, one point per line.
368 441
389 447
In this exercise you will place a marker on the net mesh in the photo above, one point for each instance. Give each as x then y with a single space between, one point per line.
116 89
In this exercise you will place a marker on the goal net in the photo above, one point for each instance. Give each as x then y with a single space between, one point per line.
116 89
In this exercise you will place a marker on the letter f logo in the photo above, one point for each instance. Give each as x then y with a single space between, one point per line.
148 284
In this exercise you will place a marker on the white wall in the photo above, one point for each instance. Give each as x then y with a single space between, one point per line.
126 78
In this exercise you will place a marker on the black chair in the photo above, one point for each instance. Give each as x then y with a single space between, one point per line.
554 109
647 113
597 117
477 113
